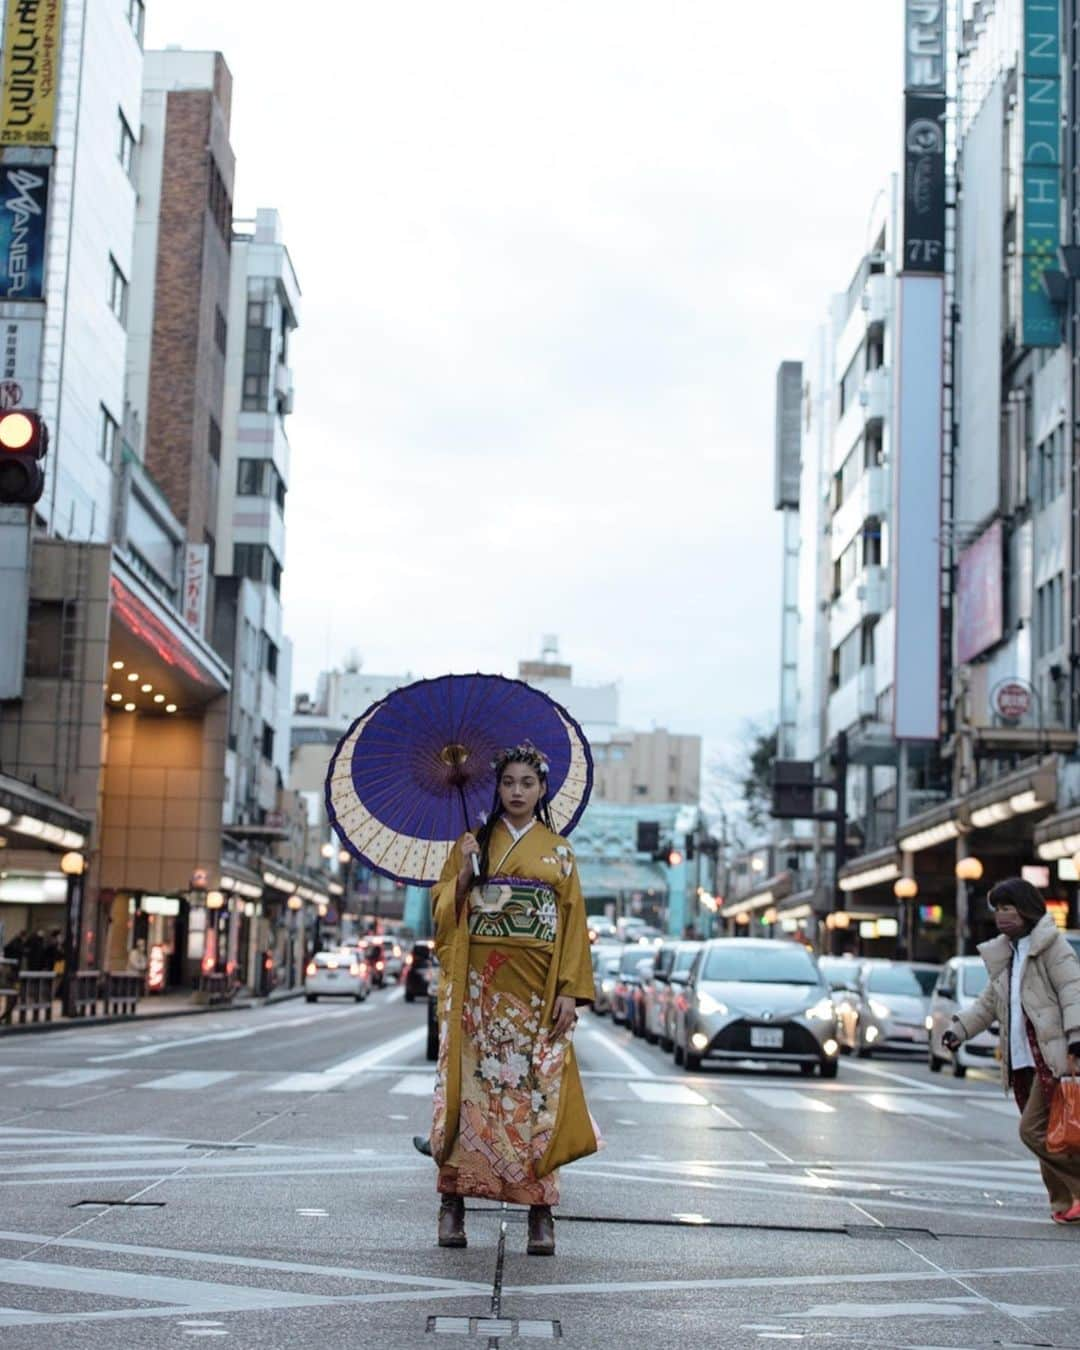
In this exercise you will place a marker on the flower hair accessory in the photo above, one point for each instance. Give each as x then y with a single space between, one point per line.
525 753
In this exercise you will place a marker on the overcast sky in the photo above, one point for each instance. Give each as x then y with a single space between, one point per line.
551 256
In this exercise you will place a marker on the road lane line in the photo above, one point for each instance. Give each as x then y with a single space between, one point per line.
409 1040
191 1080
415 1085
855 1066
605 1038
302 1082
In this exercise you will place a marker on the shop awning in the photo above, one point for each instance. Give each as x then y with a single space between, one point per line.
1058 836
768 894
872 869
38 819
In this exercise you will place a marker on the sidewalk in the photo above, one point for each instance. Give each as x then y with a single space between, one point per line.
152 1008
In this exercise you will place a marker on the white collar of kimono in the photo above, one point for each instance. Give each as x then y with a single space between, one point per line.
515 835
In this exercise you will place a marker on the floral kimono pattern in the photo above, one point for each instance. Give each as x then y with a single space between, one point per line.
509 1108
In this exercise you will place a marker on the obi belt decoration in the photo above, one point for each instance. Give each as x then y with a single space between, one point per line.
513 907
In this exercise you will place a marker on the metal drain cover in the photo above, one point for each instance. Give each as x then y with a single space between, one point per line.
495 1326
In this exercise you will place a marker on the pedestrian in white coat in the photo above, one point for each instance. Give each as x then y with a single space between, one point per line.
1034 993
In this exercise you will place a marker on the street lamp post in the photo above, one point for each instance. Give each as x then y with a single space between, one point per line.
73 866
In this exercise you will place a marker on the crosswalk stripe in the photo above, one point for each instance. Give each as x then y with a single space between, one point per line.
669 1094
190 1080
72 1078
787 1099
304 1082
415 1085
905 1106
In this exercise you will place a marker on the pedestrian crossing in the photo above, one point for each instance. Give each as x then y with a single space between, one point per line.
361 1073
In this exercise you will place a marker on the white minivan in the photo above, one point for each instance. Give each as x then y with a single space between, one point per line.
960 983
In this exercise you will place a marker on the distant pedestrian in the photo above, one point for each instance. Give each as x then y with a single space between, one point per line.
137 962
1034 994
34 952
15 948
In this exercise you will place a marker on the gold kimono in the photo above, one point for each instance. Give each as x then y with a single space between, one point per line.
509 1107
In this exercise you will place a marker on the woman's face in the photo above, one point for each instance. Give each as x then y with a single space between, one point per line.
1009 921
520 790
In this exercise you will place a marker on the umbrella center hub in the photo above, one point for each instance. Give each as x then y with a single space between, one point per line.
454 755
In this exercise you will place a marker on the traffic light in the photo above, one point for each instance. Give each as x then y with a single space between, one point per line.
674 857
24 441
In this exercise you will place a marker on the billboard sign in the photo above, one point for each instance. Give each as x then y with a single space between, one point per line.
924 46
916 508
24 198
980 594
31 72
924 183
20 357
196 567
1040 322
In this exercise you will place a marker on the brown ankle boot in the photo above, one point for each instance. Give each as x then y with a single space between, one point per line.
541 1231
452 1222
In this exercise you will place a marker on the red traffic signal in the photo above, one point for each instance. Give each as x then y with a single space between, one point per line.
24 441
674 858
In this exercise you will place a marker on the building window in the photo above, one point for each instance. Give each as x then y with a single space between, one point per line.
126 151
136 17
213 441
1049 620
852 378
218 202
118 290
258 343
256 562
108 435
249 476
267 741
270 656
221 330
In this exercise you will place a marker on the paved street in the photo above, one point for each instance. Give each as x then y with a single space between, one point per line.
250 1176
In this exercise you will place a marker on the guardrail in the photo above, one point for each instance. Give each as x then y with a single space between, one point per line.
216 986
122 992
86 993
37 989
9 990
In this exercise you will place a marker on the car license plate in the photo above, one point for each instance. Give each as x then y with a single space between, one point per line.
331 974
767 1038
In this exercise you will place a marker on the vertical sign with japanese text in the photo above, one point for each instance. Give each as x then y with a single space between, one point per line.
1040 323
31 71
924 136
196 568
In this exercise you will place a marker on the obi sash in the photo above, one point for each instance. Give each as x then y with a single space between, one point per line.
514 907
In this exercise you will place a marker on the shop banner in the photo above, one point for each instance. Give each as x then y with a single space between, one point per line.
24 200
196 569
31 71
1040 322
924 183
924 46
20 355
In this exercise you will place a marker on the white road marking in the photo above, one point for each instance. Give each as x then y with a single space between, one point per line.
72 1078
370 1058
637 1068
190 1080
303 1082
415 1085
671 1094
905 1106
856 1066
787 1099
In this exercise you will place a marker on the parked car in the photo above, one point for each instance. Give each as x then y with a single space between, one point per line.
959 984
341 974
756 998
665 991
605 963
842 976
655 989
894 1003
421 971
634 955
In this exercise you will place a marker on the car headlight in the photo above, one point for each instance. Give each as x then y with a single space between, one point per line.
709 1005
880 1009
822 1011
929 1023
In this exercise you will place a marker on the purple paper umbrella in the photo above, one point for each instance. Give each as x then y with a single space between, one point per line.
414 771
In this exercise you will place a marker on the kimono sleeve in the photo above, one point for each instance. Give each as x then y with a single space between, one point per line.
445 915
575 977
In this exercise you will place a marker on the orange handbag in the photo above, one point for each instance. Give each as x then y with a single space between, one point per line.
1063 1132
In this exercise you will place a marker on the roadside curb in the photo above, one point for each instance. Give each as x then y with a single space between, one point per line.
196 1010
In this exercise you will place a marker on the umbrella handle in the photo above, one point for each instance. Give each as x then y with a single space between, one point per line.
475 866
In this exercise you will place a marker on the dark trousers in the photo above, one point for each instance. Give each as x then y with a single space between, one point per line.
1060 1171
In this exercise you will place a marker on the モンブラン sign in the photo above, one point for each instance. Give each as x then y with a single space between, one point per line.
1040 324
24 200
31 71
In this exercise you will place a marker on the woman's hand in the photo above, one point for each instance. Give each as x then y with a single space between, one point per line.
563 1015
1074 1066
950 1040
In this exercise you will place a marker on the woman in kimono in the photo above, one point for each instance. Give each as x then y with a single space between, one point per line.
513 948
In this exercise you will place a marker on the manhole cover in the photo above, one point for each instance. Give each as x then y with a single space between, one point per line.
495 1326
